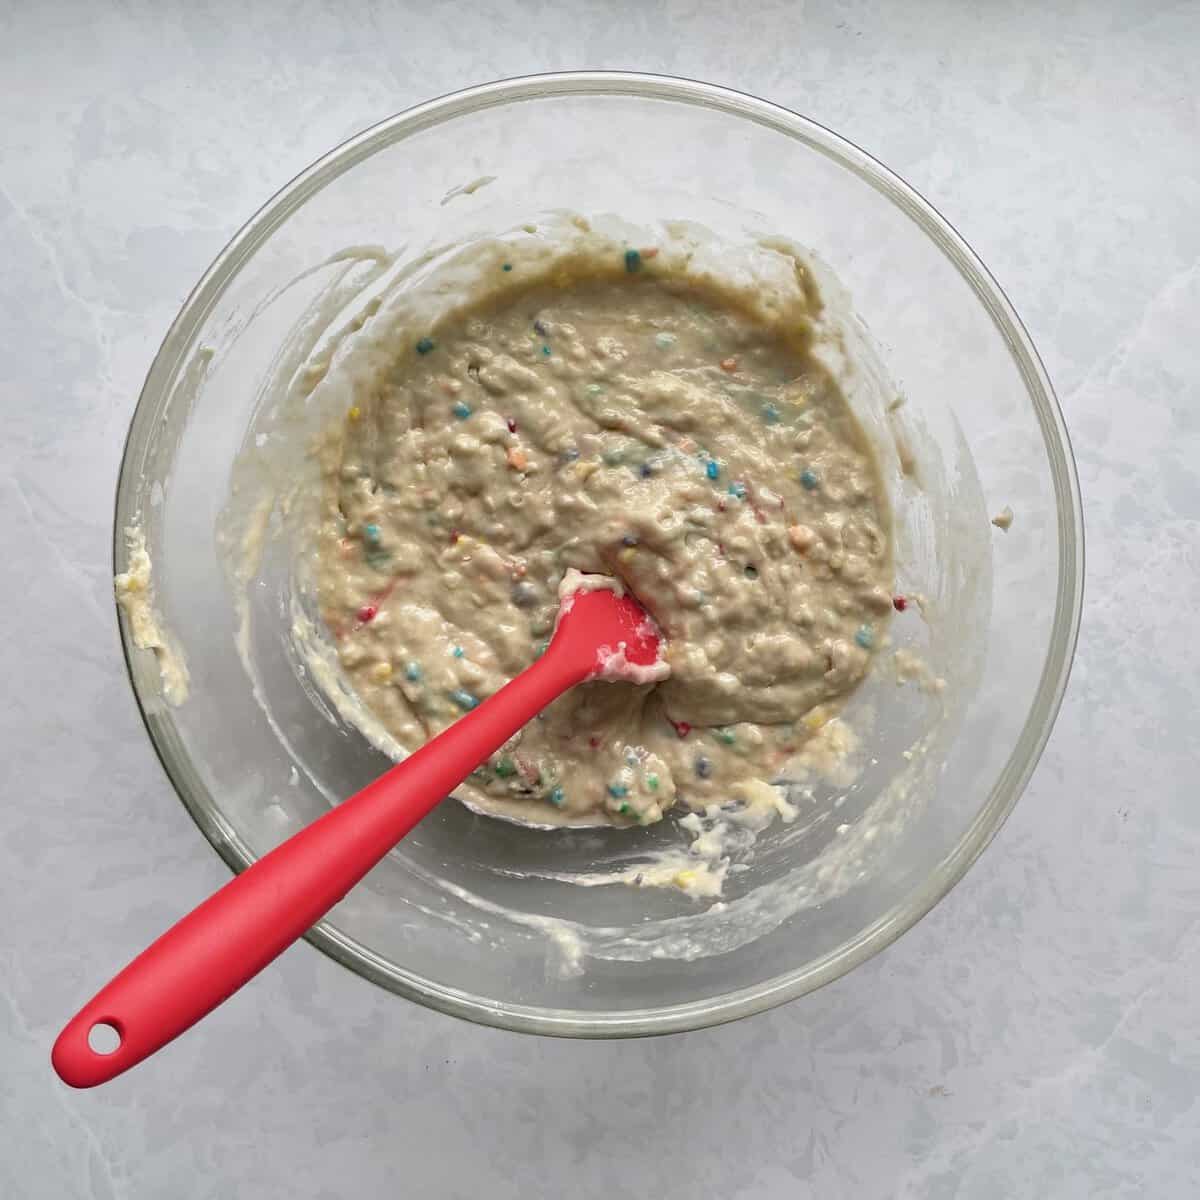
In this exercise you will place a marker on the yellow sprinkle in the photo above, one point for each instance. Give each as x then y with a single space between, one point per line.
815 719
381 672
354 413
626 554
684 879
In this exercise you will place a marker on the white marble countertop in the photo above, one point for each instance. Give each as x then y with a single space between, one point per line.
1037 1035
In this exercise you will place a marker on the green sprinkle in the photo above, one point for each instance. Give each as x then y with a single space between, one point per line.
652 782
725 736
464 699
751 571
505 768
711 469
372 534
506 267
458 652
808 477
541 648
664 341
546 351
594 389
633 261
617 790
865 637
425 345
461 410
623 807
412 672
557 798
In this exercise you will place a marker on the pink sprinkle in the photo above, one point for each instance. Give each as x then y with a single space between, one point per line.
681 727
367 613
899 603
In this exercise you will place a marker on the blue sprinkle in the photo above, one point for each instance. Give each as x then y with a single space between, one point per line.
546 351
372 534
770 414
425 345
412 672
737 489
711 469
617 790
570 454
808 477
703 767
506 267
461 410
556 797
458 652
633 261
751 571
865 637
464 699
629 539
646 471
540 327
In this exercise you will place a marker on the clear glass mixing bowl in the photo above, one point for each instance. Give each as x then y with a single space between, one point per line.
464 916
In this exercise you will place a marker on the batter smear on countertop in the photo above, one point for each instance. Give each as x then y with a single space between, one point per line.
633 424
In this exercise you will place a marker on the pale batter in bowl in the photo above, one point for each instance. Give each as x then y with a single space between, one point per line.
403 234
608 412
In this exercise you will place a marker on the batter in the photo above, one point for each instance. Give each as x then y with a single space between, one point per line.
627 422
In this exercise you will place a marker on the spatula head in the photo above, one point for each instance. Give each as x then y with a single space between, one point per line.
609 635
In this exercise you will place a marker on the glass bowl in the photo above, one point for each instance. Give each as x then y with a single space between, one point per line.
484 919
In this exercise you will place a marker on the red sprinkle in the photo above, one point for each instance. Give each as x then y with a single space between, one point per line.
594 742
899 603
681 727
454 536
367 613
512 425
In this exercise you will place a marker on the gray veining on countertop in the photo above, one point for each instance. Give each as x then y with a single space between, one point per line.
1037 1035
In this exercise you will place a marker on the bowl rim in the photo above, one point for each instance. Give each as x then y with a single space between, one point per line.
1009 784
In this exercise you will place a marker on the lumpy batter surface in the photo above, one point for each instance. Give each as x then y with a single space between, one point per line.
634 425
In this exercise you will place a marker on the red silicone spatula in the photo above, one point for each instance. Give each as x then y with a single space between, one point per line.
228 939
